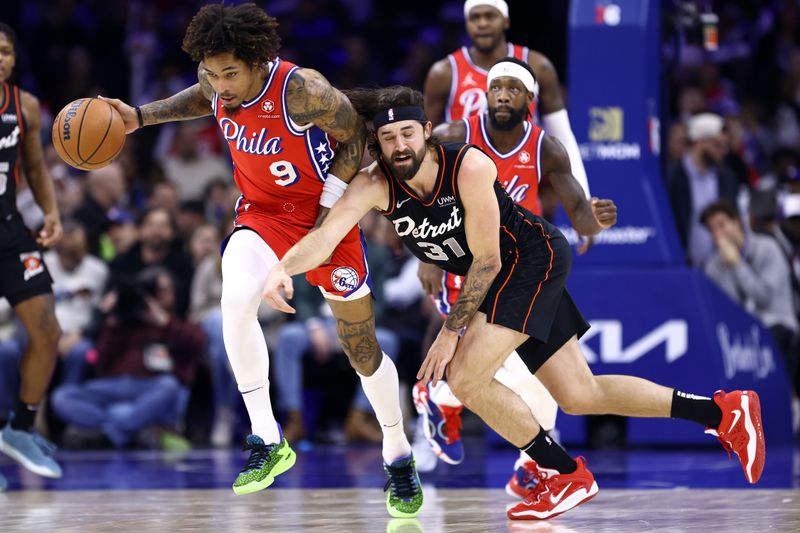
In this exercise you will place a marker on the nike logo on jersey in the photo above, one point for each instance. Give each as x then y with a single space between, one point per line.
555 498
736 414
401 202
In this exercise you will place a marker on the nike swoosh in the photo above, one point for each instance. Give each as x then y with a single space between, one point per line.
401 202
555 498
423 397
736 414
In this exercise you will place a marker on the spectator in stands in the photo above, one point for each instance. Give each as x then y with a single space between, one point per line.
699 181
753 271
146 362
157 246
165 195
105 193
187 167
79 280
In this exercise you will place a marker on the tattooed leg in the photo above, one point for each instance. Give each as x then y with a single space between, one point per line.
38 317
355 324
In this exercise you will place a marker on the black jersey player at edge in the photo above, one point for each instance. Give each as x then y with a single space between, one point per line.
24 279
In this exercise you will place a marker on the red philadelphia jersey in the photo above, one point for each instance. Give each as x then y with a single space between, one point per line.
518 169
468 83
279 167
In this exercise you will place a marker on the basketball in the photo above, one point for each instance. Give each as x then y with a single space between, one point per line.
88 133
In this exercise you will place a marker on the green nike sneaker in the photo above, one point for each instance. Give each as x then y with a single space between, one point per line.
266 462
404 497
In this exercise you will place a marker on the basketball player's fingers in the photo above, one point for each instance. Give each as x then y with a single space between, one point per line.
440 371
423 369
128 113
288 288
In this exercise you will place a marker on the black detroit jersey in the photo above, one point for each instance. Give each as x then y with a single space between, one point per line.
433 228
12 129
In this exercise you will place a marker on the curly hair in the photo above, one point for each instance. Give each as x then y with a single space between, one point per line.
245 30
367 101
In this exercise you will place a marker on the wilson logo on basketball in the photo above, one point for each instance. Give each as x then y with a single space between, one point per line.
268 106
69 115
32 262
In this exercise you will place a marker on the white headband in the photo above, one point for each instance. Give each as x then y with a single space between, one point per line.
507 68
499 5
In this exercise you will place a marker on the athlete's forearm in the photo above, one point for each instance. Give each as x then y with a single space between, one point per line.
347 161
479 278
188 104
310 252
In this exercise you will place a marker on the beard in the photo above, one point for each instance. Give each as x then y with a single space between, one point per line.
407 172
516 116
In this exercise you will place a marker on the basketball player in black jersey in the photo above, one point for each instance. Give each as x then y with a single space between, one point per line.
24 280
449 208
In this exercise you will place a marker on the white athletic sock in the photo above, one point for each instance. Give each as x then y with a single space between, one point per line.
259 407
383 392
442 395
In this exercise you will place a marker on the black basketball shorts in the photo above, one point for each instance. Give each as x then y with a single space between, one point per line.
23 273
529 294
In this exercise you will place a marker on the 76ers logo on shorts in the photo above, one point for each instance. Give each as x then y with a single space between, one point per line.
32 261
344 279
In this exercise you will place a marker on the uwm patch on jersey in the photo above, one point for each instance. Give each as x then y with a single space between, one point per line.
517 169
468 83
279 166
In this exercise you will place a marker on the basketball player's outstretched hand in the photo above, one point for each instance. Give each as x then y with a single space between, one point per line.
51 231
127 113
276 280
439 356
605 212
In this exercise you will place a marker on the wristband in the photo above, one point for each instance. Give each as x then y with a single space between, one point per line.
332 190
139 116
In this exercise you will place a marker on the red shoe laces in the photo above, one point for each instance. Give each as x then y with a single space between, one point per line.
533 494
452 422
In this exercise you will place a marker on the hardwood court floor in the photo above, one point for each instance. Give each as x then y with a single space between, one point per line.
363 510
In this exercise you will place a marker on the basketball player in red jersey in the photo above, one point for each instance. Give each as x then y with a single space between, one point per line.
24 279
523 154
295 143
454 86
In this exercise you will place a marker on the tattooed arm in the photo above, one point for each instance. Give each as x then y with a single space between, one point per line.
193 102
476 179
310 99
482 225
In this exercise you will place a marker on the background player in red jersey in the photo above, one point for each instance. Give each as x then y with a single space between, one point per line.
24 279
523 154
447 205
278 120
454 86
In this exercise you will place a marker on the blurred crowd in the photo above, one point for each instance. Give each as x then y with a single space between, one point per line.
137 275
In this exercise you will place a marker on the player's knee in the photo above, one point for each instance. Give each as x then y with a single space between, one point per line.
462 383
363 352
576 401
240 298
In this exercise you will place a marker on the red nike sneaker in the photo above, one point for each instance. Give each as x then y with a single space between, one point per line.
556 493
740 431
